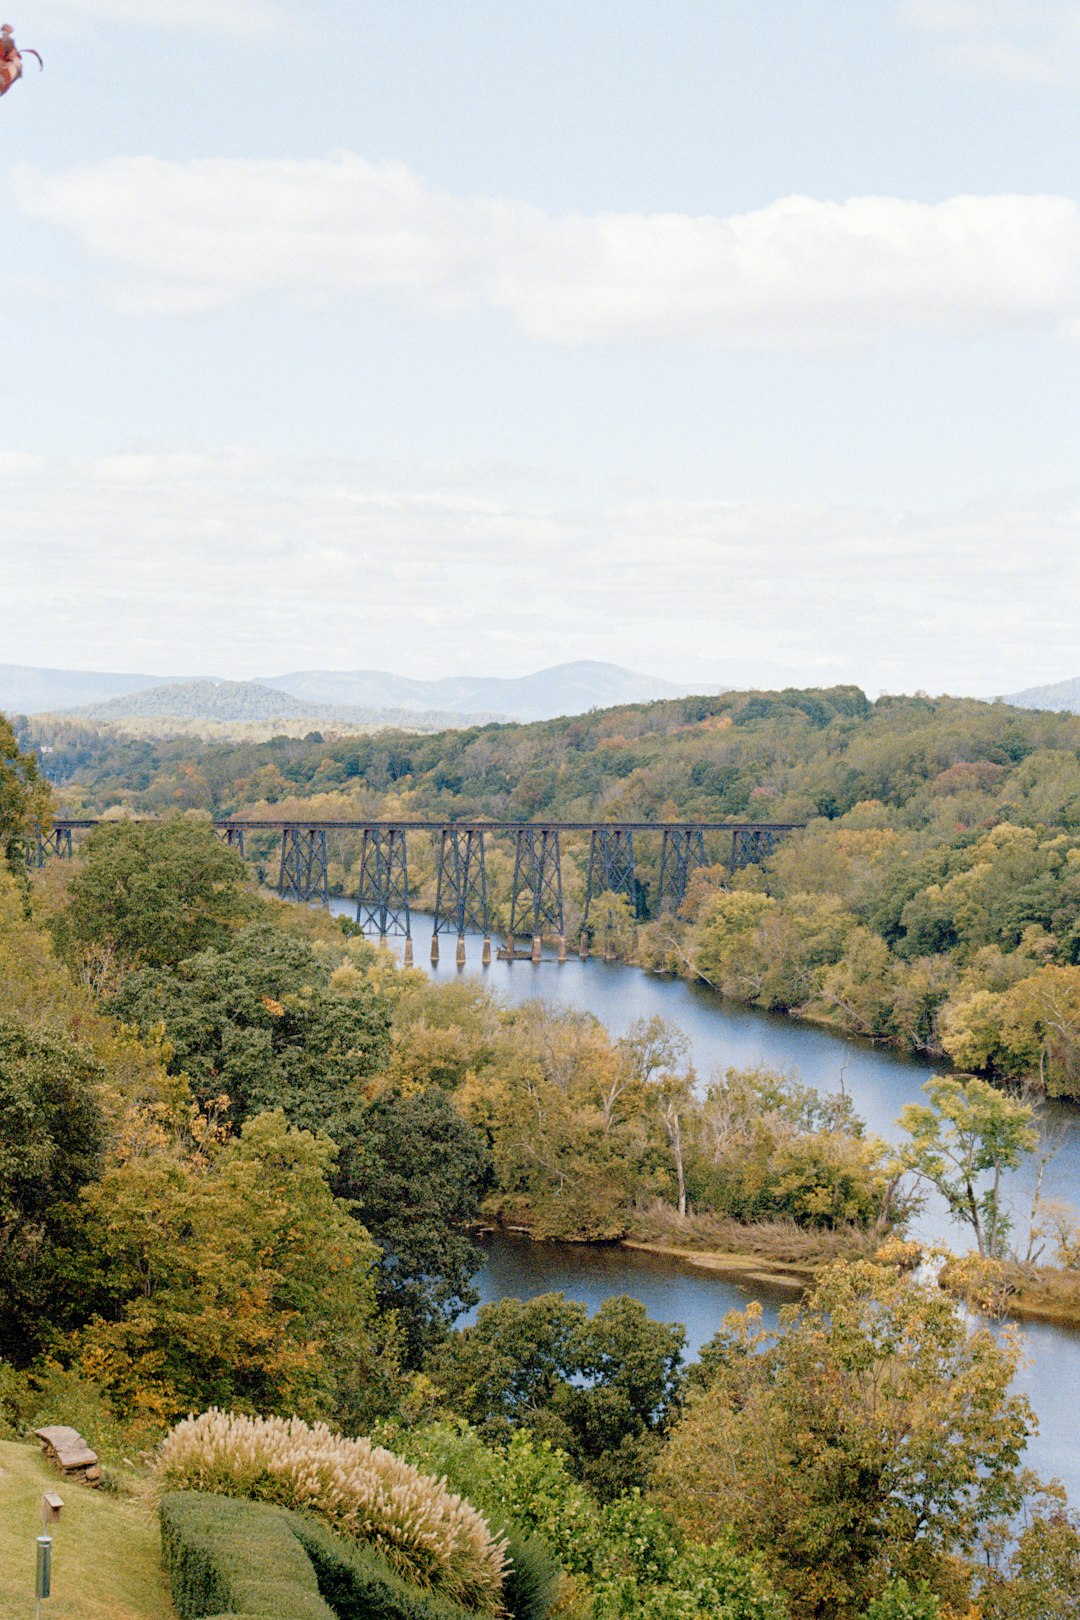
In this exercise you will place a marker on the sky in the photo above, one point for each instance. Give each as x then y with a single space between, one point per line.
736 341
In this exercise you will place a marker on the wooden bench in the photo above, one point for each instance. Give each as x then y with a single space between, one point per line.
71 1454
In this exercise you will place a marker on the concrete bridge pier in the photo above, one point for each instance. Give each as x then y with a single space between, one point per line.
408 957
485 955
536 948
434 949
562 948
583 947
459 956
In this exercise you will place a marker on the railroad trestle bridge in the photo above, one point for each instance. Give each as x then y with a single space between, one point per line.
384 903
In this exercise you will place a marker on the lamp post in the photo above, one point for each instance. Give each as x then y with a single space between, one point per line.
51 1505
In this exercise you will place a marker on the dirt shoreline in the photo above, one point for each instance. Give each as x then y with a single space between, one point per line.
748 1267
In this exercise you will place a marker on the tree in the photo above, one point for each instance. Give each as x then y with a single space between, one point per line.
1029 1031
264 1019
968 1130
611 923
900 1601
156 892
1043 1574
26 808
871 1436
51 1138
227 1273
416 1173
604 1388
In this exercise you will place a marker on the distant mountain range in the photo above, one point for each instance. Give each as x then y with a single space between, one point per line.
25 690
361 697
220 703
1060 695
564 689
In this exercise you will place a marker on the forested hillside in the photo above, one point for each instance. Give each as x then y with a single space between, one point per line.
932 901
244 1158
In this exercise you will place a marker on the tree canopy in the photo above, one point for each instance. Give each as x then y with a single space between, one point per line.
155 892
26 801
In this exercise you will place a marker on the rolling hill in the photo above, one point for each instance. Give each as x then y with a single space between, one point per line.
563 689
218 704
1059 696
365 696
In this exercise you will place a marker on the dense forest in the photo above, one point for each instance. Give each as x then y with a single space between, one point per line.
244 1157
932 901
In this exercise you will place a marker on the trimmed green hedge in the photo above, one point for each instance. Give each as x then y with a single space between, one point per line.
240 1560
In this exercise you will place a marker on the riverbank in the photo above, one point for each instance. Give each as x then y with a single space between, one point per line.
786 1258
1004 1288
739 1268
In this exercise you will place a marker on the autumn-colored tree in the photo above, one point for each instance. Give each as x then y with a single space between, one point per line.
225 1272
871 1436
1031 1030
968 1132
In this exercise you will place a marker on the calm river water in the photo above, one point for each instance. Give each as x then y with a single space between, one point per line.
724 1036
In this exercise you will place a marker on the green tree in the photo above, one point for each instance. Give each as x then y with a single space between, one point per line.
899 1601
871 1436
969 1131
259 1019
604 1388
155 892
26 807
51 1139
416 1173
649 1571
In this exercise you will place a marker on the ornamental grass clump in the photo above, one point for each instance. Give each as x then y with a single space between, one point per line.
360 1490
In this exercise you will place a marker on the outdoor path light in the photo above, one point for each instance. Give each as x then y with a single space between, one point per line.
51 1506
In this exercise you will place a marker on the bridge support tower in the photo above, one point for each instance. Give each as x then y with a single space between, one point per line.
304 874
461 900
55 843
751 845
382 898
234 838
536 898
611 871
682 850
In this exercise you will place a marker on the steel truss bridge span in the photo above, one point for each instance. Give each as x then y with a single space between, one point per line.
537 912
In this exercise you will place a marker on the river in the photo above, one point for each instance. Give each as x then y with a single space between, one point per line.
723 1035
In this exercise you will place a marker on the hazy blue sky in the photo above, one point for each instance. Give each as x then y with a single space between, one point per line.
722 338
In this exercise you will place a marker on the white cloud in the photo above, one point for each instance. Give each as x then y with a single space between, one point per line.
188 237
1035 41
236 18
244 563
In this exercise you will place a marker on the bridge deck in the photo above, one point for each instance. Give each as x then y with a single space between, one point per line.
263 825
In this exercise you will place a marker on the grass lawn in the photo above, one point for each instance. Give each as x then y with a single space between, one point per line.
106 1549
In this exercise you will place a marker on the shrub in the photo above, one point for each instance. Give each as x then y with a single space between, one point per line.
429 1535
530 1585
274 1564
54 1394
525 1493
360 1585
240 1556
